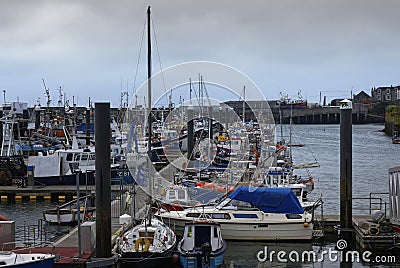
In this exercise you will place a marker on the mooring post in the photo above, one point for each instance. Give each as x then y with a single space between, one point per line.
346 222
103 180
88 126
190 134
210 122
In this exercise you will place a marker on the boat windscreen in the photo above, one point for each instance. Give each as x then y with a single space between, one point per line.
202 234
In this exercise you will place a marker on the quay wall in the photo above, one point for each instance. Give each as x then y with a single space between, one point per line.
325 115
307 115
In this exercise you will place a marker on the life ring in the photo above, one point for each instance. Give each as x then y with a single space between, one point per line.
373 230
142 241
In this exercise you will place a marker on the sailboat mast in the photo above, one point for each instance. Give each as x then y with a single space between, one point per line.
149 119
244 105
149 81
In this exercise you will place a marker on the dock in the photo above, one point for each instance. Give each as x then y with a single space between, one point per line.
66 247
369 235
52 193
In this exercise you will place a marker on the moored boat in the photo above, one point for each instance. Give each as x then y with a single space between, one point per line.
202 244
66 214
148 244
26 260
253 213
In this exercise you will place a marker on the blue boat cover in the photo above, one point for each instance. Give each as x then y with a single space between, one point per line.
269 200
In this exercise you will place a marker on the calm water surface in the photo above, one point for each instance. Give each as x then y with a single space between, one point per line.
373 155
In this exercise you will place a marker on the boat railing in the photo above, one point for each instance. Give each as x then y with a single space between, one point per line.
120 206
375 203
35 234
29 247
14 247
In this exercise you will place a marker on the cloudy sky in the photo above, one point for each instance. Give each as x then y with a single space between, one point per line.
91 48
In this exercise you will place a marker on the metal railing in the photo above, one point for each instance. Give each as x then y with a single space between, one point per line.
34 234
374 203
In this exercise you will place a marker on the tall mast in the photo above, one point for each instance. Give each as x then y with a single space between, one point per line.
244 105
149 119
149 80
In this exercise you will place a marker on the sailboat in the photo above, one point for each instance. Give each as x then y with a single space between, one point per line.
151 242
26 260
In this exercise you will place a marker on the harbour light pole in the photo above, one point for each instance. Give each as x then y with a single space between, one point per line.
346 222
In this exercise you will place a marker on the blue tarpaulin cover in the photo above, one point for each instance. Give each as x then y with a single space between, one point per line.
269 200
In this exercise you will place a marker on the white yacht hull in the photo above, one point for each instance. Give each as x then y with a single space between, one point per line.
266 227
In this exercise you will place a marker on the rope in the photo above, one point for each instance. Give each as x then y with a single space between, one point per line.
159 60
140 52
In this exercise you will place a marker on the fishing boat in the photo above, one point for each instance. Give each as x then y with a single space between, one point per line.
26 260
61 167
252 213
148 244
202 244
287 103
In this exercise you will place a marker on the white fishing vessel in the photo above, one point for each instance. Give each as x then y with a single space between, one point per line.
252 213
202 244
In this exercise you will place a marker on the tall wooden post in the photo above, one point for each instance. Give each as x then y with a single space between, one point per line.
103 180
346 170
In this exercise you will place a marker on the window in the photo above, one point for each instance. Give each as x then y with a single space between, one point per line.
388 97
181 194
293 216
215 232
297 192
202 235
220 216
171 195
245 216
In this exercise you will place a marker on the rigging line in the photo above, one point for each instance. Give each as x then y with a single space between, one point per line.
159 59
309 149
140 52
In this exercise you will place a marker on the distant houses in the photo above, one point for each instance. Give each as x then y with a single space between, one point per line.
391 93
386 94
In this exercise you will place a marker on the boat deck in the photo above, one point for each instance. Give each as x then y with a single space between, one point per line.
67 245
368 234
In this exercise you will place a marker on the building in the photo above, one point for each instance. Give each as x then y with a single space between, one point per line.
362 97
391 93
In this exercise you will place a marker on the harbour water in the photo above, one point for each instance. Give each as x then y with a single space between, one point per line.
373 155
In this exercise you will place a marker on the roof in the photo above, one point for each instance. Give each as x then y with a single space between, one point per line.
269 200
